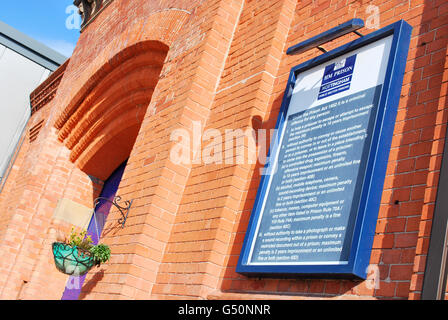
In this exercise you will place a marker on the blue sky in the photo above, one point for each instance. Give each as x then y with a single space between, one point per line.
45 21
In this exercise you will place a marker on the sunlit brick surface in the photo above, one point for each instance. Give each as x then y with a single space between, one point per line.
223 63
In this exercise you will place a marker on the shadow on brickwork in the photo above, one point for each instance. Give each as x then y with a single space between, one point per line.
420 126
90 285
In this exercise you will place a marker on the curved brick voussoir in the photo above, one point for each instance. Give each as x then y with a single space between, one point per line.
133 107
154 33
112 145
108 77
141 81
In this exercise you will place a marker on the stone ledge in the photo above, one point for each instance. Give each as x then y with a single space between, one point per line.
220 295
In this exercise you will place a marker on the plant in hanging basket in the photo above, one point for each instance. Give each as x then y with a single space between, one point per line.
77 255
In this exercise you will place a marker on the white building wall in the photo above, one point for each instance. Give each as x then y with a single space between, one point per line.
19 76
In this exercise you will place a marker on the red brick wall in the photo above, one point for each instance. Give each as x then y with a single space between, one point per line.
41 176
402 234
204 237
151 179
225 67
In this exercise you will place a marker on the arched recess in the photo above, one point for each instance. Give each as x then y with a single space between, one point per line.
102 125
149 32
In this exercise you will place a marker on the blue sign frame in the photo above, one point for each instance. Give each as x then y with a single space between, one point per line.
364 228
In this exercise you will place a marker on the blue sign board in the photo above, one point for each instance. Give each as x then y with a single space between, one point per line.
337 77
317 206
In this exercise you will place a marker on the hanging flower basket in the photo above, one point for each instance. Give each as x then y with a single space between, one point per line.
71 260
77 255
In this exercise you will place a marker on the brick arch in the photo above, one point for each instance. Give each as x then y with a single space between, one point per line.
127 76
111 72
134 108
101 124
156 35
112 146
